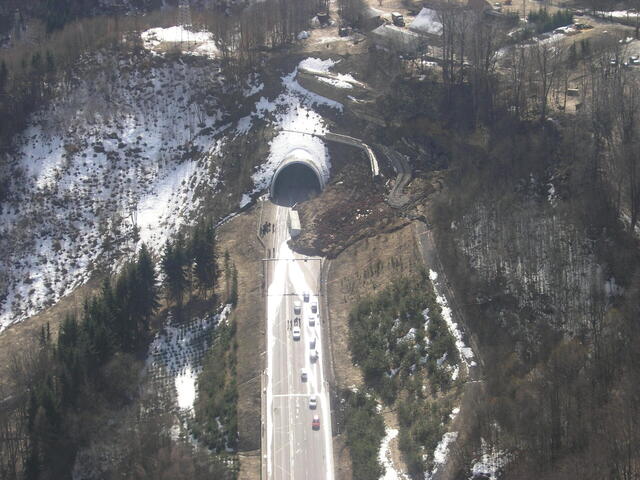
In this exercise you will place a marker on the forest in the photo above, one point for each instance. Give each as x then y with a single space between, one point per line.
66 387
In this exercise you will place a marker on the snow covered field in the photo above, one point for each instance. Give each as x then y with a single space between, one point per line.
122 152
175 356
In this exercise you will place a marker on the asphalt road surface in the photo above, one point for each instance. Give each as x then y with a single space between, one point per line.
295 450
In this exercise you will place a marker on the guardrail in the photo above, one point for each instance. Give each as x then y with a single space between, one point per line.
347 140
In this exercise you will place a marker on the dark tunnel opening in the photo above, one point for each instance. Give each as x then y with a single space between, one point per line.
295 183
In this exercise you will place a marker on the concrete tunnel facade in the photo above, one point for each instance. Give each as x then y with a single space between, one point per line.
299 156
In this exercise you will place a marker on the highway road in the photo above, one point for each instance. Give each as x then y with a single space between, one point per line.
295 450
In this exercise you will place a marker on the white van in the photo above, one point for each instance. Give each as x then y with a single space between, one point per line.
297 307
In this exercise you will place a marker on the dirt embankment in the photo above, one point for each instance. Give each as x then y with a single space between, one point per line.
362 269
352 207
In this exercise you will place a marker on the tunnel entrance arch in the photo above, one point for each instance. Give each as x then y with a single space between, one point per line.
296 179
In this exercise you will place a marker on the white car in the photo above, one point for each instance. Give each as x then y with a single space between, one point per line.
296 333
303 375
297 307
305 296
314 355
312 320
313 402
314 307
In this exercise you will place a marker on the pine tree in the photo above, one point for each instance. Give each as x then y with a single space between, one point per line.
124 325
174 278
205 257
146 297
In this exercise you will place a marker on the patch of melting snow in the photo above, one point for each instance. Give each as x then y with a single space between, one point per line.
466 354
384 457
490 463
440 454
194 42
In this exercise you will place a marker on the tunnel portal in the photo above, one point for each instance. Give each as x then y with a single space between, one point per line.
295 181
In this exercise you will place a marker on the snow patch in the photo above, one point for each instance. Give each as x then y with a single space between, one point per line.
440 454
201 43
427 21
466 354
490 463
384 457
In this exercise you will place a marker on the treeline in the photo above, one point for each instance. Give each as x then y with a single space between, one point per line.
15 15
71 384
71 380
243 36
545 22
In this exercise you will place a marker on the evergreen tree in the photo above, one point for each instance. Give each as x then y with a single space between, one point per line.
205 257
146 294
175 281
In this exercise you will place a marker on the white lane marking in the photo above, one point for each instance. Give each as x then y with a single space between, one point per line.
292 395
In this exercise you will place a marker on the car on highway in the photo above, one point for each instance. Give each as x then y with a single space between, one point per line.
313 402
312 343
315 423
312 320
297 307
314 307
305 296
314 355
303 375
296 333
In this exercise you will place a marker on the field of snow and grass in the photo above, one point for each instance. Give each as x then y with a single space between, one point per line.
175 356
125 152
